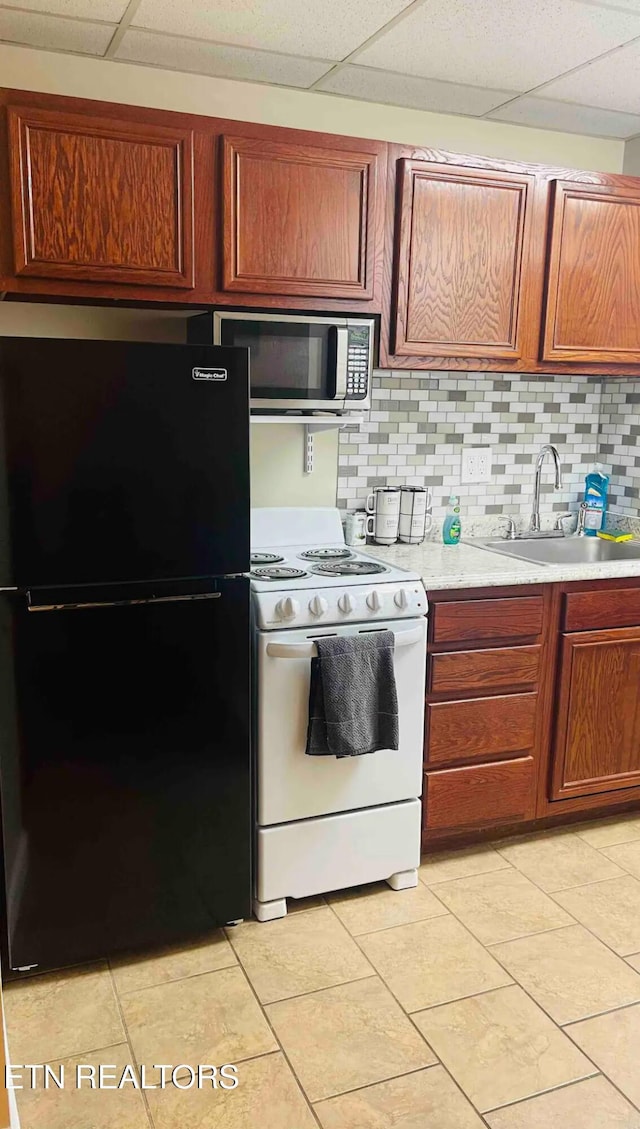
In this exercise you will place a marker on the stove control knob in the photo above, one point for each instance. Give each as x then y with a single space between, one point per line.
374 603
347 603
401 599
318 606
287 608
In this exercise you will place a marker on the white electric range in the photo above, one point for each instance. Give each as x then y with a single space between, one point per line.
325 823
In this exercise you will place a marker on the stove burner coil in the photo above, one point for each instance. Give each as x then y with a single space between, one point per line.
350 568
278 572
331 554
266 559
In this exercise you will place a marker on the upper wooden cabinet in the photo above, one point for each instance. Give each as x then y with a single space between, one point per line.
593 283
597 746
300 219
461 269
100 200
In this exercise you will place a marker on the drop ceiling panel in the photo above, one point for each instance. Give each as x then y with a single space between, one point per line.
512 44
406 90
35 30
628 5
109 10
612 83
325 29
219 60
544 113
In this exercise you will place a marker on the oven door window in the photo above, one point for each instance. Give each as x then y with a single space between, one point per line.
289 360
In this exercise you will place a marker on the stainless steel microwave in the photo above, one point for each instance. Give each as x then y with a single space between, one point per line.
301 362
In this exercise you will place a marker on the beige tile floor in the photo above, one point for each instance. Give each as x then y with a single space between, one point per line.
503 992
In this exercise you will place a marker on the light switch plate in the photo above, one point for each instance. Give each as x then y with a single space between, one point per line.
476 464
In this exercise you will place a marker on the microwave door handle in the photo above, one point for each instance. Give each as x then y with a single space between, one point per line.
341 355
309 650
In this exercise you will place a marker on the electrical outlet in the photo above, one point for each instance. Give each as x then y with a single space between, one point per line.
476 464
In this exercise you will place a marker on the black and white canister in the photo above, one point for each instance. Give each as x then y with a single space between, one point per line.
416 517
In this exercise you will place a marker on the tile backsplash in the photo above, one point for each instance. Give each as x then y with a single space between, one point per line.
419 424
618 444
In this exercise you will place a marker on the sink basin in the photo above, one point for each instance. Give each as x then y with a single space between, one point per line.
565 550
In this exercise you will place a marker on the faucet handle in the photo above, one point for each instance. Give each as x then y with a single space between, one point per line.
511 530
562 517
583 510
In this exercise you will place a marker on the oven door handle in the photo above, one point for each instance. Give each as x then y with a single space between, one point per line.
310 651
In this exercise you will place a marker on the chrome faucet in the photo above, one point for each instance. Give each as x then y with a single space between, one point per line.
548 449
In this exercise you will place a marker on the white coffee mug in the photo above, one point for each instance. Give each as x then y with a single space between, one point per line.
416 517
383 507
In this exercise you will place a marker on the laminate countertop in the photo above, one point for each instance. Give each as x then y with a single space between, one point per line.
468 566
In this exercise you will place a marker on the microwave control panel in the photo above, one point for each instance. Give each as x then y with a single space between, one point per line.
358 362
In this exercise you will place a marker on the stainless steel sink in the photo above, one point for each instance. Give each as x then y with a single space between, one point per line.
564 550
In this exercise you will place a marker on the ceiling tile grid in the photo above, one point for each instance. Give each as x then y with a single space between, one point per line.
36 29
219 59
408 90
110 11
569 65
326 29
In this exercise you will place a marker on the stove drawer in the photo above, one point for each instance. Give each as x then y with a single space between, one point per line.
297 860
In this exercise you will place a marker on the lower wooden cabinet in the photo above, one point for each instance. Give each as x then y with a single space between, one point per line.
478 728
597 744
477 796
485 706
533 706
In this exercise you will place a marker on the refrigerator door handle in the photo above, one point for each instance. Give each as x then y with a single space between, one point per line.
120 603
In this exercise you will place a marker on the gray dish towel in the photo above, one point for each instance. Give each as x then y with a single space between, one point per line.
353 704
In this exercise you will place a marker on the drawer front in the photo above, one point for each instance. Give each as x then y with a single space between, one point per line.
517 618
479 796
483 727
590 611
463 672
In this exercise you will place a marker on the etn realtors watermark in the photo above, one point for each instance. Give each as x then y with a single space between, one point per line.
85 1076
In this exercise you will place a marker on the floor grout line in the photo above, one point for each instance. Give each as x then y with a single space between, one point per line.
575 920
597 1014
550 1090
303 1092
399 924
132 1053
603 1072
177 979
322 988
381 1082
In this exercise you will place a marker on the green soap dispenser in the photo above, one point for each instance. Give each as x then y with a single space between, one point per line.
452 527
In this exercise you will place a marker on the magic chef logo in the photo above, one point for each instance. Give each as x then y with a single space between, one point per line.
209 373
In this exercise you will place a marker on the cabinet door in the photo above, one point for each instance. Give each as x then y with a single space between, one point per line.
593 282
101 200
597 747
460 272
298 219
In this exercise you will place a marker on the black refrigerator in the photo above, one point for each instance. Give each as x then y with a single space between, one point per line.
124 646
